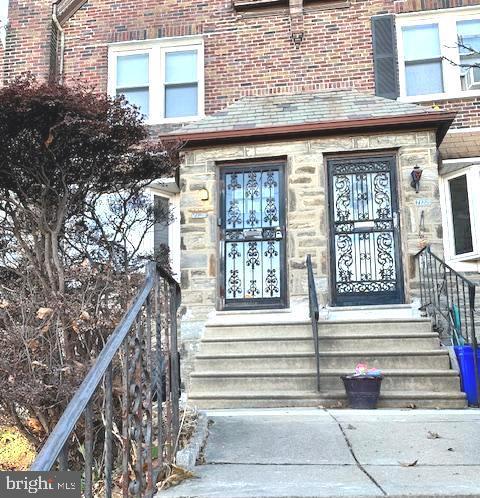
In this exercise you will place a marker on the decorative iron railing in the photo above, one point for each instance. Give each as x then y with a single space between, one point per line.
129 401
449 298
314 314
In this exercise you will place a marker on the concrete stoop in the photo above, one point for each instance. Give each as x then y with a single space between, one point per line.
272 364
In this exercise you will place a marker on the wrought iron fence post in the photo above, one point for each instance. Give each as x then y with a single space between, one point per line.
125 417
108 431
159 374
88 493
314 315
175 380
420 271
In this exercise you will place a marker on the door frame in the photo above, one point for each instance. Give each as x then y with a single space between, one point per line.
260 304
399 298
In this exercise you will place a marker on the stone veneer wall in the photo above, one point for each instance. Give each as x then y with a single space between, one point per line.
307 216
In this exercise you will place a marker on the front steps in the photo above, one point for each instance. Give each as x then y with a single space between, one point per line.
273 364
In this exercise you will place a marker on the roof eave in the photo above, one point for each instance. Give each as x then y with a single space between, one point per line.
67 8
438 120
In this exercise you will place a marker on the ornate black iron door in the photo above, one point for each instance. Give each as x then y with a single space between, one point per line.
253 236
364 231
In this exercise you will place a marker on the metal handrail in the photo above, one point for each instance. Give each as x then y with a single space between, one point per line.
66 424
449 298
54 448
314 314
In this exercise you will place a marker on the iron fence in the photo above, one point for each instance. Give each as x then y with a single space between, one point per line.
449 298
121 427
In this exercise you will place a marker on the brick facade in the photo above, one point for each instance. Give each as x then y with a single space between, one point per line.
246 51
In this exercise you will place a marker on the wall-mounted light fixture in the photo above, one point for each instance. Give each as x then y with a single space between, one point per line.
416 174
204 194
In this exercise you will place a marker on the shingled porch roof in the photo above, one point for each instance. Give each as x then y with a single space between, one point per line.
272 116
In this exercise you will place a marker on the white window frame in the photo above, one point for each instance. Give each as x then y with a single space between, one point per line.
472 171
447 29
156 50
168 190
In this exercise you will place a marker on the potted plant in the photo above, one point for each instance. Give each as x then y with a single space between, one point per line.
363 387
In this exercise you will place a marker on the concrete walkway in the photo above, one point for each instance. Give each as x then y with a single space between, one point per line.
337 453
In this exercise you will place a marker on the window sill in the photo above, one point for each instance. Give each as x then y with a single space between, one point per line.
242 5
182 120
440 96
471 256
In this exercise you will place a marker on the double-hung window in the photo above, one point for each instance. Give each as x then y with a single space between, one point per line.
438 53
133 80
468 34
163 78
423 62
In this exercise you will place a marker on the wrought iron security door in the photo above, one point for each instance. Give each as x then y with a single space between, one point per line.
253 236
364 232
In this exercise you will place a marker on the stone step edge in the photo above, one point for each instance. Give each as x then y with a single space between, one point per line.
325 373
327 395
342 321
323 354
400 335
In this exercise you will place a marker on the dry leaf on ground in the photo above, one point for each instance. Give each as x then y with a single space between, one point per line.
174 476
43 313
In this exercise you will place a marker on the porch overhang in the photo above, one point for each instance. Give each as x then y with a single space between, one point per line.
437 120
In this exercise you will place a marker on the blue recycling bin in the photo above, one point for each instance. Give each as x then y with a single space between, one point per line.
467 371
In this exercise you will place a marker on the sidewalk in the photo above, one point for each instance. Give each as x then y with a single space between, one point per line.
337 453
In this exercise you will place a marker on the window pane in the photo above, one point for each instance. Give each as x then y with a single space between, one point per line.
138 98
181 101
471 62
181 67
462 229
469 35
424 78
132 70
421 42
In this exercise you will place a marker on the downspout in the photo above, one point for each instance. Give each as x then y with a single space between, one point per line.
62 41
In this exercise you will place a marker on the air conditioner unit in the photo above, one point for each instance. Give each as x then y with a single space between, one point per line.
472 78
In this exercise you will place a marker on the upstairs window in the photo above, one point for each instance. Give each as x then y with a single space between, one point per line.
468 35
132 80
181 84
423 62
162 78
436 52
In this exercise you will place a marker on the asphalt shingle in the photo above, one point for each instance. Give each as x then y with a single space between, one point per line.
288 109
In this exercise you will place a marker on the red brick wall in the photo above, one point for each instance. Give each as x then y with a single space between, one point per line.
241 51
419 5
246 52
28 38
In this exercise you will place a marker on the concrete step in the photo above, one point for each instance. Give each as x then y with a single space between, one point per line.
372 312
331 399
432 359
325 328
304 343
258 330
305 380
